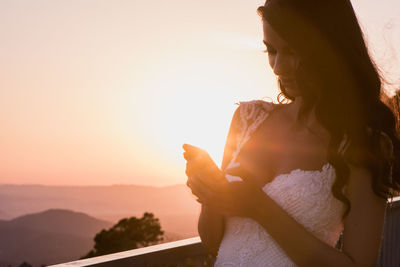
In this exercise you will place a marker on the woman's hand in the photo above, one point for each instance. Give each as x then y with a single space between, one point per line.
240 199
208 183
200 164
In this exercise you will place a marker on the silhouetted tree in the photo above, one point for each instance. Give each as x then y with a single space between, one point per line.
128 233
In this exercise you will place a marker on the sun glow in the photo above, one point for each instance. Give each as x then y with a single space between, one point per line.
194 104
111 99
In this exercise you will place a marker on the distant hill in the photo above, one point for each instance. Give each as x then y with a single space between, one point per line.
58 221
49 237
174 205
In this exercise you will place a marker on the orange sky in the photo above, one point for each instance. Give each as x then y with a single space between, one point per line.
106 92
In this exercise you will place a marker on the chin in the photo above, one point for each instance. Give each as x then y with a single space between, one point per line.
293 92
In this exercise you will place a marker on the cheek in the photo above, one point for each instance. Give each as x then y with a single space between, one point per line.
290 63
294 62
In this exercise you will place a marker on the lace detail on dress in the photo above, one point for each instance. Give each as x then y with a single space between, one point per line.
305 195
252 114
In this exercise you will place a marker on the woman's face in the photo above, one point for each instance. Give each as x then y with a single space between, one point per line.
282 59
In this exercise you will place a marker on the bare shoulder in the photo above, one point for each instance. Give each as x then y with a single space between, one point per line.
363 226
359 190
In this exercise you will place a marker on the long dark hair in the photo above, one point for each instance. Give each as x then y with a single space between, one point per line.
348 103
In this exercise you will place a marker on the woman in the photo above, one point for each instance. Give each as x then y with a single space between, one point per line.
295 176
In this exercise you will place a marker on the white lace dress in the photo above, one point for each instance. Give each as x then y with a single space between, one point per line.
304 195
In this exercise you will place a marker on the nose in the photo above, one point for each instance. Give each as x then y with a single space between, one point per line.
283 65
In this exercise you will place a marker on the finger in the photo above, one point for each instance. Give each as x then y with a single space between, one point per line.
194 167
210 184
197 152
209 175
214 179
199 195
205 167
197 185
188 183
202 191
189 155
190 170
193 149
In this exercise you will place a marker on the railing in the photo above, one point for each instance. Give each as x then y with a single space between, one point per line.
390 250
190 252
186 252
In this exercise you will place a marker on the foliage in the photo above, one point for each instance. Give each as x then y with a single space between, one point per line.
128 233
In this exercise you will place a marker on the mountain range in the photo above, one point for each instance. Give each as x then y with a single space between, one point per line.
49 237
173 205
53 224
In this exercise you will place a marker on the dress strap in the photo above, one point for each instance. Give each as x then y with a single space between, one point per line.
252 114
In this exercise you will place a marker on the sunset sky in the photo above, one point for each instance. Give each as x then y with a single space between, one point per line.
96 92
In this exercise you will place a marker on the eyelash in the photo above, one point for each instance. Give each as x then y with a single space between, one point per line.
269 52
273 52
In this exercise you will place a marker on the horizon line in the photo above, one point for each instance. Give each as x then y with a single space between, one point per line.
91 185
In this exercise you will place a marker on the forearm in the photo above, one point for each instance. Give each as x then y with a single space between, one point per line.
211 228
299 244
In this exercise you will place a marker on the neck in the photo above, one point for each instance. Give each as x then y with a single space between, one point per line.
294 109
309 120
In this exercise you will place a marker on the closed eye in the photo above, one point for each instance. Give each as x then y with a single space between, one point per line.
269 48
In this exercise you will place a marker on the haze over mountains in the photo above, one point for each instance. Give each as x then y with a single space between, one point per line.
174 205
63 220
50 237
